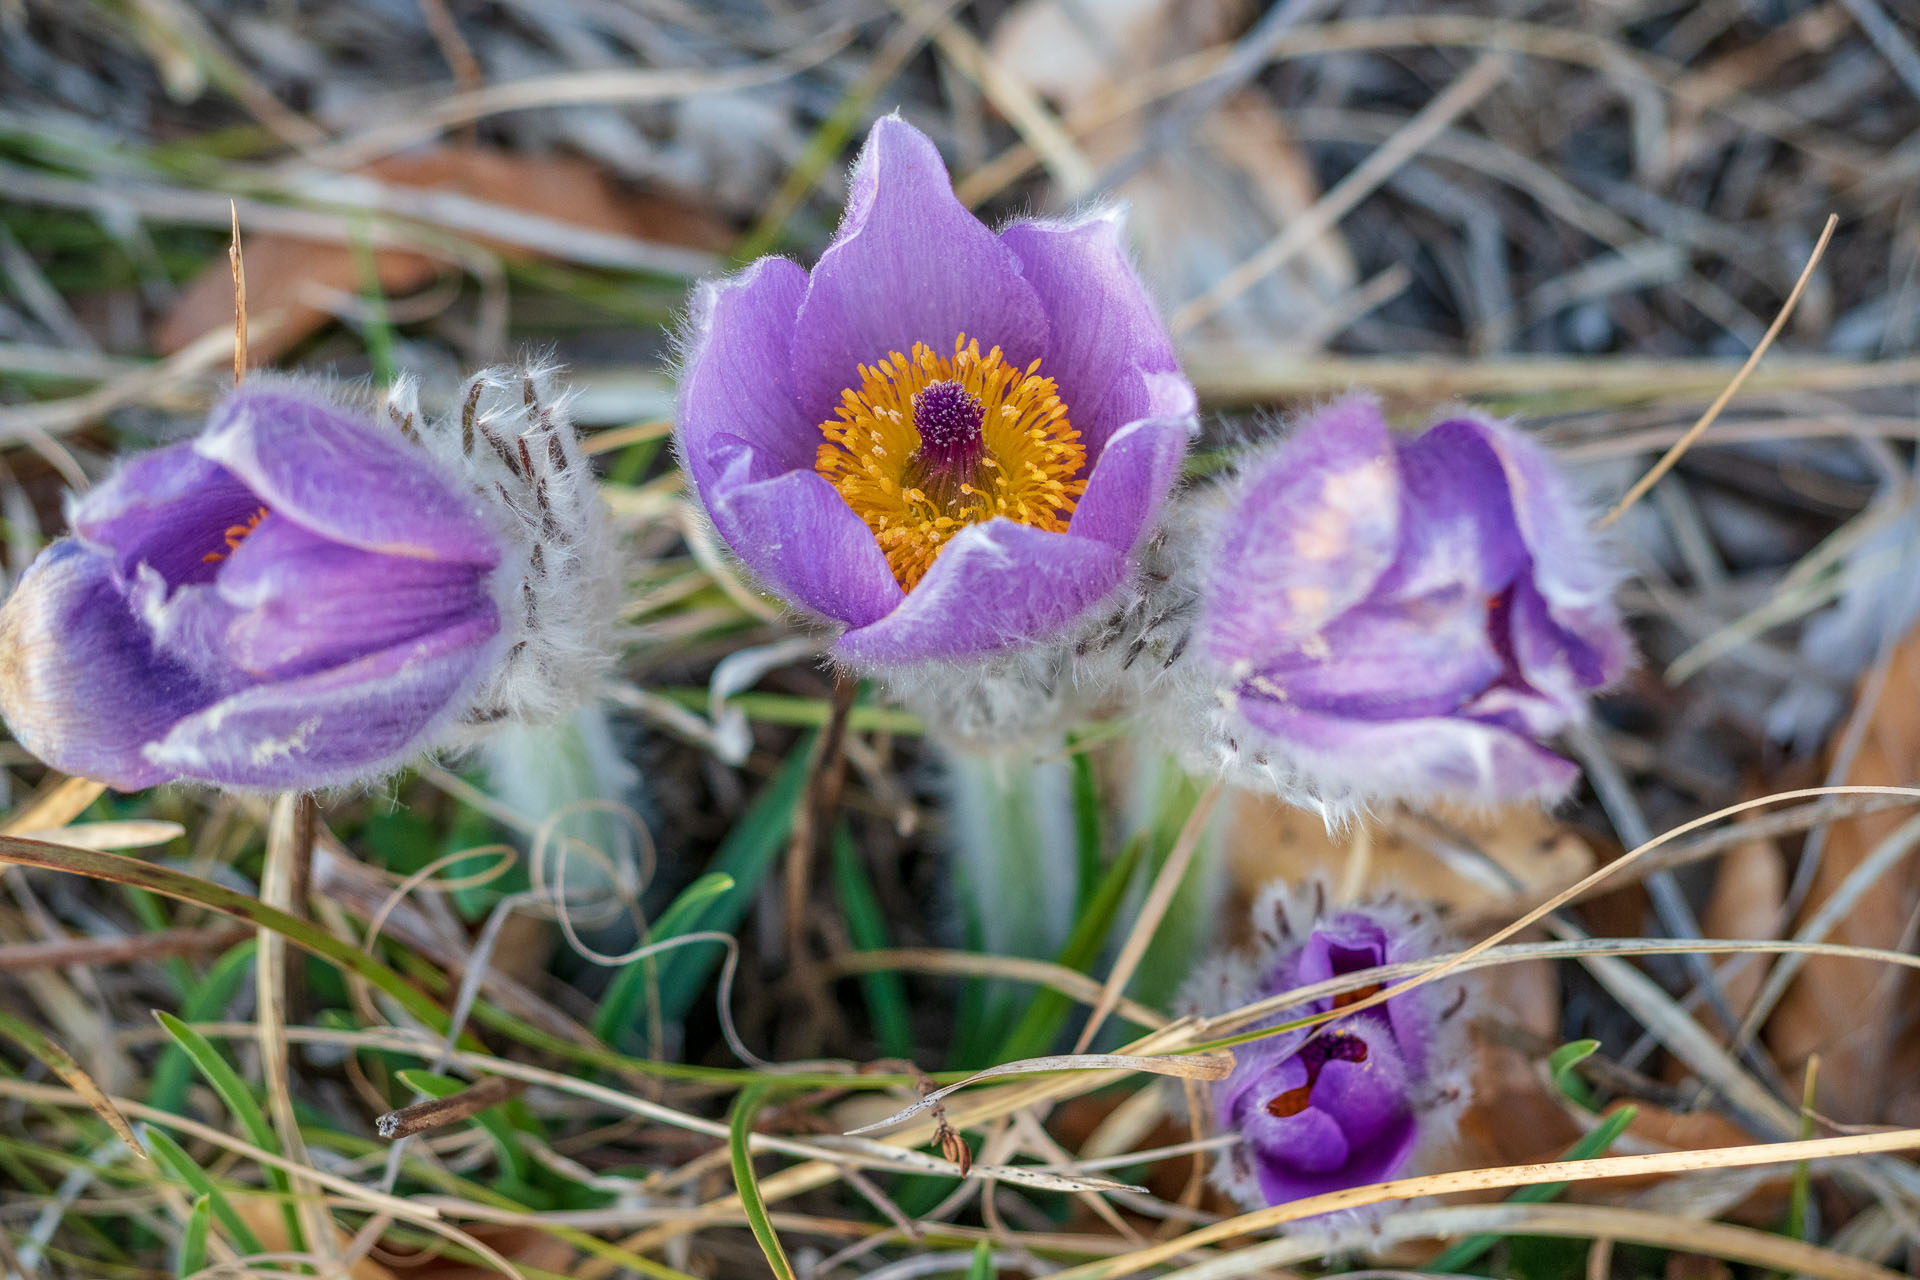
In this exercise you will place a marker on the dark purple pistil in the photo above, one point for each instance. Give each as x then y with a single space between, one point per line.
948 419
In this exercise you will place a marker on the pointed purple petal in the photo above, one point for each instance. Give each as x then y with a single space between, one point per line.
909 264
739 378
341 725
80 683
801 538
344 478
1129 482
1314 526
996 585
1106 332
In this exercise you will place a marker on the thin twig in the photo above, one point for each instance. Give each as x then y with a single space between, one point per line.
1694 432
432 1113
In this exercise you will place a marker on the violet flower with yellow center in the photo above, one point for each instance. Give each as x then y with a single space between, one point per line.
946 442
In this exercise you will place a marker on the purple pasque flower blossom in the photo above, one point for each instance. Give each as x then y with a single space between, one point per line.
1363 1098
944 441
1389 616
296 598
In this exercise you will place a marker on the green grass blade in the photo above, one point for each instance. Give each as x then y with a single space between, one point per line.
233 1091
226 1082
1560 1065
745 856
739 1128
982 1266
174 1158
193 1245
1087 843
886 994
619 1009
1047 1012
204 1003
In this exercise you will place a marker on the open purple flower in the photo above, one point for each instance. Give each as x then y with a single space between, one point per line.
1354 1101
1391 616
945 441
296 598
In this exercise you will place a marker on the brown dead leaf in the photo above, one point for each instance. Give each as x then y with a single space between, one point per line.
1749 893
300 277
1441 857
1514 1117
1850 1013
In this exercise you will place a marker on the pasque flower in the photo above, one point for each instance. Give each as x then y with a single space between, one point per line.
303 597
1360 1099
945 441
1400 616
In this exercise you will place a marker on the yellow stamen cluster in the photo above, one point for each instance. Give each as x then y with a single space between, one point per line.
235 535
1028 468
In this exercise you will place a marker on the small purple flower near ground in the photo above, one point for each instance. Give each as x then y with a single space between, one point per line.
1362 1099
1403 617
296 598
943 441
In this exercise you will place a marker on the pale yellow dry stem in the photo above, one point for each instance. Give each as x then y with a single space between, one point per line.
1224 377
1585 1222
1434 1184
270 967
1070 169
1680 446
239 268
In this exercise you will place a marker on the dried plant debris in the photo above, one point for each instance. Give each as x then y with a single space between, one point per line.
917 634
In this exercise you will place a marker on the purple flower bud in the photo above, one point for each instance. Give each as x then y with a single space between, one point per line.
943 441
302 598
1404 617
1361 1099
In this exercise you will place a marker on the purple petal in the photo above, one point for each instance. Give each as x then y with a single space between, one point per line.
1432 756
1570 565
909 264
994 586
1298 1155
1458 525
289 604
1569 653
80 683
1369 1102
1129 482
343 724
342 477
802 539
168 508
1387 662
1312 528
739 377
1106 332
